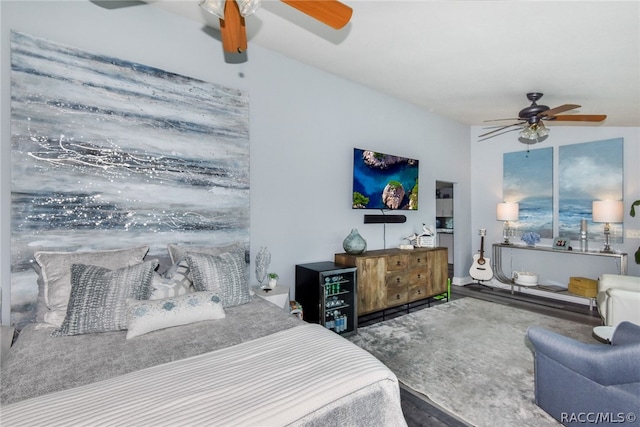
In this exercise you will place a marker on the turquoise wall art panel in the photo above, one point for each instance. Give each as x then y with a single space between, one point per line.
528 180
108 153
589 171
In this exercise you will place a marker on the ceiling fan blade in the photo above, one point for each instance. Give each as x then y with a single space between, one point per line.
501 120
579 118
560 109
499 133
232 27
499 129
329 12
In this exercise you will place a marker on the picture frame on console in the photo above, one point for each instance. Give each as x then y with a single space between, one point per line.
561 243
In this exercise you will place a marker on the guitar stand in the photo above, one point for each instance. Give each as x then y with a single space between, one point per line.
479 283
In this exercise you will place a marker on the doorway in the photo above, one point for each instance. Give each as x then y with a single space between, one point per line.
445 219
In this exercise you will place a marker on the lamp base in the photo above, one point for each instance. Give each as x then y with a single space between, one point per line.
607 248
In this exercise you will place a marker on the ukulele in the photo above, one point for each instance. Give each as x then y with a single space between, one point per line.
481 269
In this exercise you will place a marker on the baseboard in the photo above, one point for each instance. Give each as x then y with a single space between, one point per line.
461 281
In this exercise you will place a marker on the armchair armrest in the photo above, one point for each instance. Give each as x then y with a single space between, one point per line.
604 364
617 281
626 333
622 305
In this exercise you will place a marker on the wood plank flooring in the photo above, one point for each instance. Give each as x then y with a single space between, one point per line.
419 411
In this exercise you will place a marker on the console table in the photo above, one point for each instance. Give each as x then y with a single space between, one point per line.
571 263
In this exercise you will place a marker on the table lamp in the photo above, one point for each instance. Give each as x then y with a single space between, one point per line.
607 211
507 211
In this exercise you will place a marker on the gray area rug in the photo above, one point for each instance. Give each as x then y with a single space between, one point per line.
469 356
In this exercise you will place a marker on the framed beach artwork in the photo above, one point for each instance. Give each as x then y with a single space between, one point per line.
108 153
528 180
589 171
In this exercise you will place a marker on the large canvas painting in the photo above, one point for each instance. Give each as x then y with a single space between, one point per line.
587 172
108 153
528 180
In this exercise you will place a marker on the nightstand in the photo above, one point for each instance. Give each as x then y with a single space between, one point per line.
278 296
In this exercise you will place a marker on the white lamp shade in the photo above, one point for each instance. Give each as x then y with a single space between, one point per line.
507 211
607 211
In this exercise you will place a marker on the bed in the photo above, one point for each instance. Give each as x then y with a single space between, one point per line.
232 363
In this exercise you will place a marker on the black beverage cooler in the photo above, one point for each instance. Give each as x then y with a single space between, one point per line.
327 293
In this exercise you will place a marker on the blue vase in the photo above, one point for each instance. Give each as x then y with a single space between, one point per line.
354 243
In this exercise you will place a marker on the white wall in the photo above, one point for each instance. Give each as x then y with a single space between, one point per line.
304 124
486 179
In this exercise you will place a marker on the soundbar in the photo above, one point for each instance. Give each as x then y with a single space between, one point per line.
384 219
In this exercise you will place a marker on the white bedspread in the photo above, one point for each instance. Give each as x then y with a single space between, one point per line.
298 376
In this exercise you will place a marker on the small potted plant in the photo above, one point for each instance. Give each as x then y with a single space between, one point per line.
273 280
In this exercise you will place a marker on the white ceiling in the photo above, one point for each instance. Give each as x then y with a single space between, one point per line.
467 60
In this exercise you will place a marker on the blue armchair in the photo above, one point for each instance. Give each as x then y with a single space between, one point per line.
580 384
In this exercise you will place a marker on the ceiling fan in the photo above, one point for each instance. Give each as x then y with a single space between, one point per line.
530 120
232 14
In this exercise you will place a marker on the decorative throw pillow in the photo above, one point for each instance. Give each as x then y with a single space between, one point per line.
98 301
178 252
176 281
148 316
41 305
55 270
225 274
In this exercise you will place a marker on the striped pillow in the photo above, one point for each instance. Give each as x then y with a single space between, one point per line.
98 301
225 274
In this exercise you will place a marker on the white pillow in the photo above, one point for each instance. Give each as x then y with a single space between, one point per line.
151 315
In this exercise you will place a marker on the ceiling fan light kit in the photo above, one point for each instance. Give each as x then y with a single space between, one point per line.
232 14
530 120
215 7
534 132
248 7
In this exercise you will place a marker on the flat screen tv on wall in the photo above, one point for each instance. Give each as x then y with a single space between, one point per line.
384 181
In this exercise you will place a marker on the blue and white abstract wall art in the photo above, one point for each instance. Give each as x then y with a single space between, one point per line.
589 171
528 180
108 153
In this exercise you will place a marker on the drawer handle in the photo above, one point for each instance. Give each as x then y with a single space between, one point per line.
397 296
419 260
419 276
397 262
397 280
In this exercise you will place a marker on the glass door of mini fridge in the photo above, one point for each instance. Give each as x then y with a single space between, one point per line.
338 300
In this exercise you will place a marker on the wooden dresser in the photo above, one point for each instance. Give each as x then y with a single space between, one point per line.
392 277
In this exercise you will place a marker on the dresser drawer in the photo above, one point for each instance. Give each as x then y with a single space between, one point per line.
396 262
397 294
397 278
417 276
417 260
417 291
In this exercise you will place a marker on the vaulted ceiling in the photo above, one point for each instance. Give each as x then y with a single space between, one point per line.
467 60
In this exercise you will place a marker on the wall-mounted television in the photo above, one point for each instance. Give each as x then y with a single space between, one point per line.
384 181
